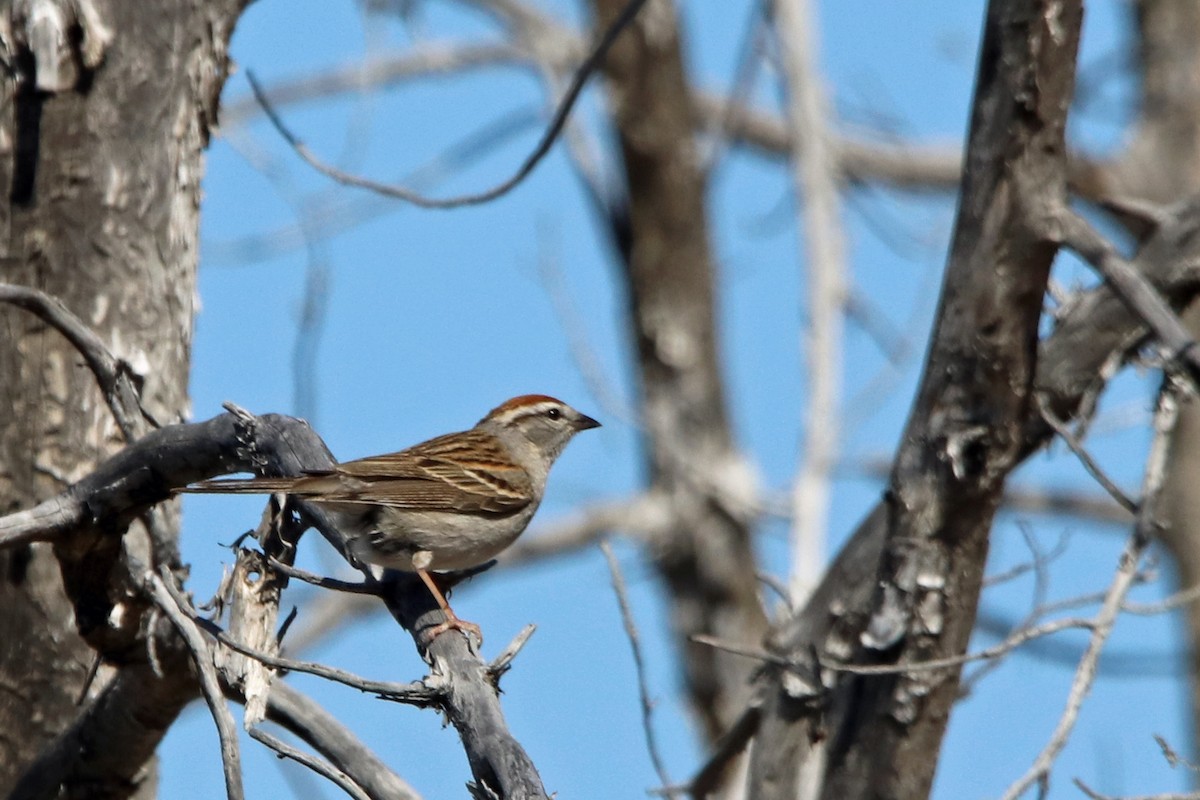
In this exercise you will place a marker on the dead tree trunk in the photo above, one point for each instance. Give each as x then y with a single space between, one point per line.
103 123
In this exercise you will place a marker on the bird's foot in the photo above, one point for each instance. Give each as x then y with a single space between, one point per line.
452 623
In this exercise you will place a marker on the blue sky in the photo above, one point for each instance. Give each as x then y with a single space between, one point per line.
433 317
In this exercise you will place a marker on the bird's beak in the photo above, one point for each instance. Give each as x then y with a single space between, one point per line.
585 422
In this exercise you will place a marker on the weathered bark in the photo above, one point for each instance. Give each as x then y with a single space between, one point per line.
705 557
964 436
102 129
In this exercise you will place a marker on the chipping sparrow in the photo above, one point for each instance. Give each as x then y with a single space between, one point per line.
449 503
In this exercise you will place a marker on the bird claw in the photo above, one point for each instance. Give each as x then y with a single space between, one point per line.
452 623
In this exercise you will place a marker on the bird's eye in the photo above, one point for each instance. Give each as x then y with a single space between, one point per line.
554 413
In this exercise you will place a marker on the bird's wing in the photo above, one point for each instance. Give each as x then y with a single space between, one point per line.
443 474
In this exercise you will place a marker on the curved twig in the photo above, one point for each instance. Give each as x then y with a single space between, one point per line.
547 141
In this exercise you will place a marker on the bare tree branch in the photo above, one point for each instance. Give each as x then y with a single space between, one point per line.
1144 533
815 183
1092 793
589 65
317 765
631 633
1133 288
1085 458
905 165
172 604
113 375
381 72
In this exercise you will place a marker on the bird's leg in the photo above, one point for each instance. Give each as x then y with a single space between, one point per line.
452 620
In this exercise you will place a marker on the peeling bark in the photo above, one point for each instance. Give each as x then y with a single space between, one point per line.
103 121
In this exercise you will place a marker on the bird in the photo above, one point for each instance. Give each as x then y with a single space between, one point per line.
450 503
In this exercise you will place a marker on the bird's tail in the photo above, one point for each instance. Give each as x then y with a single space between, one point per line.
241 486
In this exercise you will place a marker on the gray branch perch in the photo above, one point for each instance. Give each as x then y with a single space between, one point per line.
147 471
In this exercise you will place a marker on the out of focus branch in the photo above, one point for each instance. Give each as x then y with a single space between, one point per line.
815 181
1132 287
381 72
659 228
906 165
585 70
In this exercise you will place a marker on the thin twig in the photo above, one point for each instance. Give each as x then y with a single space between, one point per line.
1179 599
1037 565
631 631
336 213
1084 457
1011 643
173 605
351 587
1041 584
1173 758
503 662
776 585
415 693
585 71
112 373
1144 532
317 765
757 653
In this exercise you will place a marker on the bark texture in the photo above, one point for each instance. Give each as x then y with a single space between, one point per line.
102 128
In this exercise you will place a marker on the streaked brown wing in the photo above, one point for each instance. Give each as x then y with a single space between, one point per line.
453 472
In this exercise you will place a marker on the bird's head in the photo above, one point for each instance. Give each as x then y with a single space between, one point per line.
539 421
